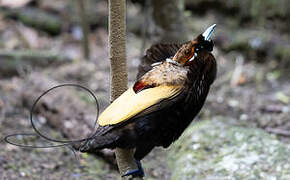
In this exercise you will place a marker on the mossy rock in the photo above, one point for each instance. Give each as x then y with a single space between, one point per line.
219 150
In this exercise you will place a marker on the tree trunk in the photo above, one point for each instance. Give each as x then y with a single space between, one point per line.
85 27
119 77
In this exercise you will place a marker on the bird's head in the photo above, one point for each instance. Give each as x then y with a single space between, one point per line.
190 51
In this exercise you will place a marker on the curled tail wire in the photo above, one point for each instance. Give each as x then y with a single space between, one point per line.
71 144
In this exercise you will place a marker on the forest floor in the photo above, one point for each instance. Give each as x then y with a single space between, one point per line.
252 102
254 94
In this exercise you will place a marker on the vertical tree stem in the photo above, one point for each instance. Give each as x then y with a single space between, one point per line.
119 77
85 27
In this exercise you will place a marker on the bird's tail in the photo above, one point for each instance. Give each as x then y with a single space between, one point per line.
99 142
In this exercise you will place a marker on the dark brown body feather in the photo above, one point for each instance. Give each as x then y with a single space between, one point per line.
162 123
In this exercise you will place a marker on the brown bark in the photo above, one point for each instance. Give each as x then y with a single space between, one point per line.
117 43
119 77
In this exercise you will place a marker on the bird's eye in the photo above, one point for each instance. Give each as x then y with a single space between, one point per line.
197 48
187 52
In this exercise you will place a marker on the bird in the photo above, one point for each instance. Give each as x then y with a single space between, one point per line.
172 84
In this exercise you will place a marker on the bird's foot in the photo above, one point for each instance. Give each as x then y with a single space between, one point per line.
85 146
139 172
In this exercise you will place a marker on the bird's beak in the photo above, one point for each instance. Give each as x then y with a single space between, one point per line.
208 32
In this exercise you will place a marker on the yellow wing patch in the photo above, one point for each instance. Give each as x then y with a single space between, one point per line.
130 104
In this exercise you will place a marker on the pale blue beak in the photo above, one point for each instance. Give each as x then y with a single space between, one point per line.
208 32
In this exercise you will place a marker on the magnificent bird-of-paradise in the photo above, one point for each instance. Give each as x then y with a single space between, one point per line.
172 86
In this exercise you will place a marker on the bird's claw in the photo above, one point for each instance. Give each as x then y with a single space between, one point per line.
139 172
84 147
